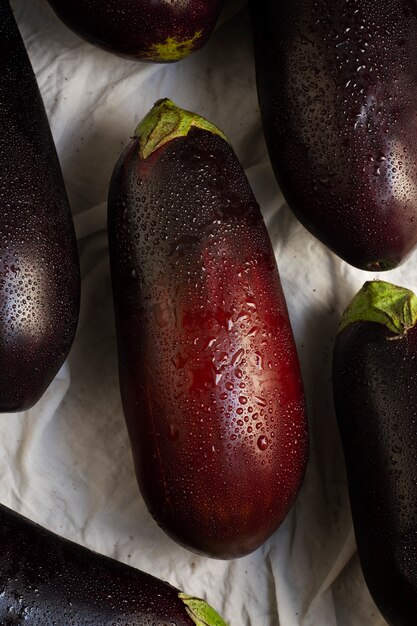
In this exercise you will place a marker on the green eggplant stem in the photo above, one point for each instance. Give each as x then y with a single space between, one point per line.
200 612
166 121
384 303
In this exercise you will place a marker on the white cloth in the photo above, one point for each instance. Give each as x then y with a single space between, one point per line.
67 463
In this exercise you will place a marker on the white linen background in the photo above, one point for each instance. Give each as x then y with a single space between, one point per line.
67 463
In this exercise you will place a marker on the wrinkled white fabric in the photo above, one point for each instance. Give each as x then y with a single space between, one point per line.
67 463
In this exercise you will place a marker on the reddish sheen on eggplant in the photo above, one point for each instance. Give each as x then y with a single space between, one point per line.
375 393
337 87
46 580
39 273
209 373
144 30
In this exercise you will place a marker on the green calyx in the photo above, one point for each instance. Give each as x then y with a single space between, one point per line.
174 49
384 303
200 612
164 122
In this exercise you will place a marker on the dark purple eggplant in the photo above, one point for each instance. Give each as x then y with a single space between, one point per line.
144 30
337 88
39 272
375 394
46 580
209 374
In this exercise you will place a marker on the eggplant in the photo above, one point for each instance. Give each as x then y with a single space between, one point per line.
46 580
39 270
144 30
337 86
209 374
375 395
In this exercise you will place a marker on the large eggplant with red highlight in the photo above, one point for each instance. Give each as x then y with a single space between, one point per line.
143 30
39 272
337 87
209 373
46 580
375 393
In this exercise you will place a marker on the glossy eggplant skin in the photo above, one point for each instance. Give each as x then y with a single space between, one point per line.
337 86
39 272
144 30
375 393
46 580
209 374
